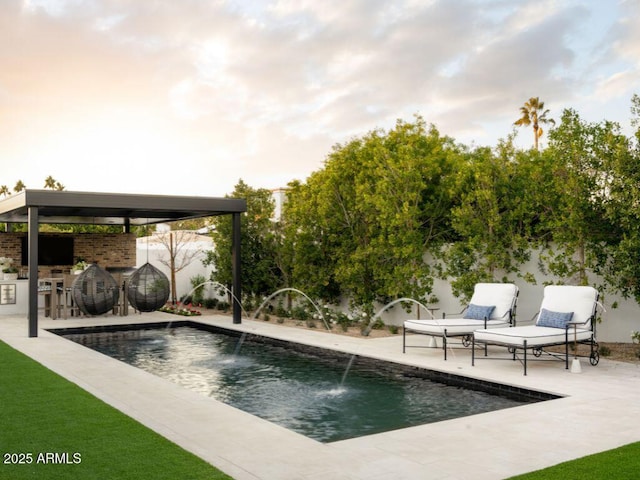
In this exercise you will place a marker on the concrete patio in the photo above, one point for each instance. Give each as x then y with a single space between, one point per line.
598 411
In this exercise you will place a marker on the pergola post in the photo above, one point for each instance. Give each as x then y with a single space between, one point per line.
32 261
235 267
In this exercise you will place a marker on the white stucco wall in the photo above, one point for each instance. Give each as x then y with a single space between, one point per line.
155 252
616 325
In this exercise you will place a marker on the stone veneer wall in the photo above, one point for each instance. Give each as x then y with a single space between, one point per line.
106 249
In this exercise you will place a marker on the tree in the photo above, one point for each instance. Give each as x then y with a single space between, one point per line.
497 218
622 268
534 114
53 184
306 248
285 237
19 186
178 255
4 191
260 274
408 191
364 222
583 162
635 112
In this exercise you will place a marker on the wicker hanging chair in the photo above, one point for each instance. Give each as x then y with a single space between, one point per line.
95 291
148 289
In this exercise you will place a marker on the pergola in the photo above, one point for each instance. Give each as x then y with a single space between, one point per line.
34 207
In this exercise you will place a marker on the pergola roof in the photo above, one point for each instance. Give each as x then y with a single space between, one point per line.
34 207
113 208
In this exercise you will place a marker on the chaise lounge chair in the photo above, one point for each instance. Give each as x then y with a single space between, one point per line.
493 305
567 314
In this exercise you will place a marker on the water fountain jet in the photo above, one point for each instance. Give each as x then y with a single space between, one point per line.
346 372
367 330
257 312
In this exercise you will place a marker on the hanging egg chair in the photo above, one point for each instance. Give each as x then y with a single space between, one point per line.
95 291
148 289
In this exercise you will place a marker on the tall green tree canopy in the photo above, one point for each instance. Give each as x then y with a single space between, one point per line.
260 274
492 227
620 189
584 157
369 216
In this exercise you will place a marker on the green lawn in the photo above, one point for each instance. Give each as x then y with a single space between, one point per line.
619 464
59 431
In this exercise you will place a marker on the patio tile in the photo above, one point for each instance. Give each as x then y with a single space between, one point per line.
593 416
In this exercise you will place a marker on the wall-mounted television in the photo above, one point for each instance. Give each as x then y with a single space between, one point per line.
51 250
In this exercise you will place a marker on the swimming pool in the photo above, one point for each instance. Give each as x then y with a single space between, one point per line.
322 394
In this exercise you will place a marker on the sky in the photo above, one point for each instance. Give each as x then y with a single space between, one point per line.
188 97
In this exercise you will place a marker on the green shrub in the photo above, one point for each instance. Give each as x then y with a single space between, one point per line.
198 292
300 313
343 320
210 303
378 324
281 311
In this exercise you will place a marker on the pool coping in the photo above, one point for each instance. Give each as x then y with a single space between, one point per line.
592 416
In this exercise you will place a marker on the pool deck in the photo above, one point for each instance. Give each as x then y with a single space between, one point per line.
599 411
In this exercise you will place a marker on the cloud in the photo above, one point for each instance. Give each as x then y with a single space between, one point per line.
624 52
262 90
628 26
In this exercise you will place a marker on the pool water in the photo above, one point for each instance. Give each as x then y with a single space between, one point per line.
327 397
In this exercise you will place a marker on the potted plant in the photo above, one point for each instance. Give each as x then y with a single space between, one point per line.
79 267
5 262
10 273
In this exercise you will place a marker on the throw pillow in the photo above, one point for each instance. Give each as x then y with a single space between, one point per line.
547 318
478 312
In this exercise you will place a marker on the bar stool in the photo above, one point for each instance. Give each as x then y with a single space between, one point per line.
67 305
44 289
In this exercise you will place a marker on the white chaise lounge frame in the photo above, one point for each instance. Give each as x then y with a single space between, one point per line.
503 296
581 300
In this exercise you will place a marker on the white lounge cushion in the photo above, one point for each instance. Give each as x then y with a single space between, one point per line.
500 295
454 326
533 334
570 298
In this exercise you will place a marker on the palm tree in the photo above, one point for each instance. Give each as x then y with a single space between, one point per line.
20 186
533 113
52 183
4 191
